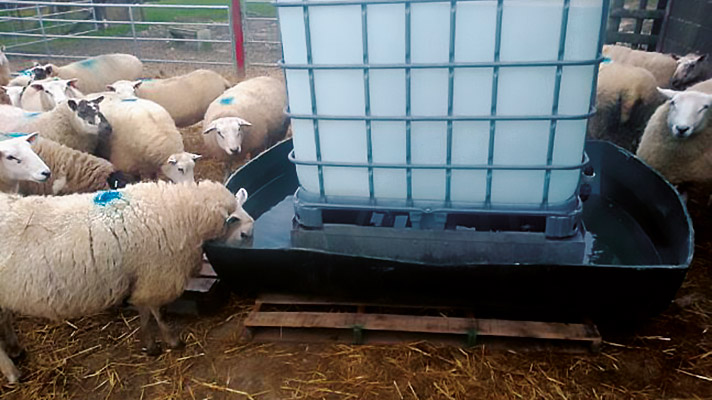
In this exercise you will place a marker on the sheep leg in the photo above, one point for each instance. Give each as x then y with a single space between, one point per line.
169 337
8 368
8 337
148 342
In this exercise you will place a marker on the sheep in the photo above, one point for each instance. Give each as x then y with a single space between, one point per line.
180 167
691 69
677 139
74 123
246 119
143 136
97 72
73 171
19 163
4 68
626 97
36 73
185 97
71 256
662 66
4 96
44 95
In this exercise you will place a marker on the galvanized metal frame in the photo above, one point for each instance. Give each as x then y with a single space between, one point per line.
572 205
45 38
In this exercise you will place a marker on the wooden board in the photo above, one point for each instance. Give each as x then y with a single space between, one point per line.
283 318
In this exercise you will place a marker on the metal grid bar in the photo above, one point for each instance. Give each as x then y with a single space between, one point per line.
601 40
450 90
31 4
312 93
150 60
446 65
140 39
557 95
367 101
493 106
82 21
408 150
443 117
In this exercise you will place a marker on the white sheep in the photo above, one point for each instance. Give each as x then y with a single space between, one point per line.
246 119
44 95
626 97
18 162
4 68
97 72
180 167
143 136
691 69
678 138
185 97
14 94
74 123
73 171
662 66
71 256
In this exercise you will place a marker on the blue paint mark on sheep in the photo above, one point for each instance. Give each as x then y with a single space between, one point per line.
32 114
606 60
106 197
130 99
11 135
226 101
87 63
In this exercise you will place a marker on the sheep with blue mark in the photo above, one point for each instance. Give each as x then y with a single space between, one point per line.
246 119
97 72
72 256
74 123
185 97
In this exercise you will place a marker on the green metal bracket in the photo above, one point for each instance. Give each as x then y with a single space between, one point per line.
471 337
358 334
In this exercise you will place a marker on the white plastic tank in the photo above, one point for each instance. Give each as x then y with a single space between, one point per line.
530 32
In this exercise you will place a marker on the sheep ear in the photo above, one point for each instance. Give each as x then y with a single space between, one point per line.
210 128
702 58
37 86
48 69
241 196
242 122
98 100
111 88
195 157
669 93
675 56
172 160
73 82
32 137
136 84
72 104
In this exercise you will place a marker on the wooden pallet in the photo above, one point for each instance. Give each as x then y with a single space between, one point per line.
299 319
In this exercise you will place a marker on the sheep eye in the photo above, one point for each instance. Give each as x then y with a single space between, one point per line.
220 134
181 170
14 158
232 219
672 103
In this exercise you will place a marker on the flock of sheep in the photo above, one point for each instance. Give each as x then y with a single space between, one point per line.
74 132
658 105
77 132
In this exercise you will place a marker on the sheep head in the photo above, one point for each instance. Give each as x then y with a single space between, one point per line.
229 133
689 112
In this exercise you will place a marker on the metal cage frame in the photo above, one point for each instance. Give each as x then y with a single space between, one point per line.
308 204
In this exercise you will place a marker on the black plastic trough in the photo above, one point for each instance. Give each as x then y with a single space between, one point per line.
643 231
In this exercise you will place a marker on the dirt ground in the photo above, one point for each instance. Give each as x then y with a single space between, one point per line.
99 357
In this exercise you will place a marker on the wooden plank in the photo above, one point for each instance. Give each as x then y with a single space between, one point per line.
286 299
631 38
422 324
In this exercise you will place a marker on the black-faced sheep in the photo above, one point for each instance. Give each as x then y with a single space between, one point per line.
44 95
246 119
18 162
662 66
185 97
71 256
73 123
691 69
97 72
73 171
143 136
678 138
626 97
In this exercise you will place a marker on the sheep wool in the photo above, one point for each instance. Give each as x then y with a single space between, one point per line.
74 255
261 102
185 97
97 72
143 136
4 68
662 66
73 171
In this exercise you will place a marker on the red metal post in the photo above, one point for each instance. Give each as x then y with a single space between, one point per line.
238 37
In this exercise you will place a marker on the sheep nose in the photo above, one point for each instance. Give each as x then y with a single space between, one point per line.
244 235
682 129
46 174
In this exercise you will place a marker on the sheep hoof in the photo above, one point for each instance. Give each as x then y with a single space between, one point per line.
152 350
13 377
